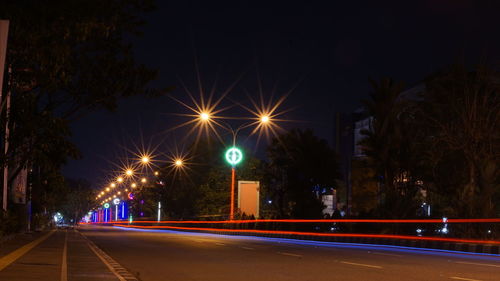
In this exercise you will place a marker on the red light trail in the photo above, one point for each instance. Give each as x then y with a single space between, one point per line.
493 220
408 237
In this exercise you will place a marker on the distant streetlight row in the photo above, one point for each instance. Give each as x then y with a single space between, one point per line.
109 192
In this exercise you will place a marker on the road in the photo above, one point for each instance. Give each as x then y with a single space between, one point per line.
178 256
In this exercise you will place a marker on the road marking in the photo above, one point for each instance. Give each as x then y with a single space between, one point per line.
384 254
64 265
120 272
361 264
110 267
247 248
473 263
290 254
13 256
220 244
466 279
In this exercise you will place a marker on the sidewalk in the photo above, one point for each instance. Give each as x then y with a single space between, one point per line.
55 255
16 241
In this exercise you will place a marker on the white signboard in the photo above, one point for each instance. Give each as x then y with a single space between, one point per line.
248 197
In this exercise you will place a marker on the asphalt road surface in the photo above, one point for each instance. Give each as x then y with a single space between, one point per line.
182 256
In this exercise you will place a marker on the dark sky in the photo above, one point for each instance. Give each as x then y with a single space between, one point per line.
330 48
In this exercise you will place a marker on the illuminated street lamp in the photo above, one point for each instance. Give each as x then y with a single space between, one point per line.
108 189
129 172
204 116
178 162
144 180
113 185
133 185
145 159
119 179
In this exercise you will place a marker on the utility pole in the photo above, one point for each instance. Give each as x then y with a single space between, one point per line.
4 32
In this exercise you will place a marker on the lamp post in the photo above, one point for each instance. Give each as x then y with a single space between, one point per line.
233 157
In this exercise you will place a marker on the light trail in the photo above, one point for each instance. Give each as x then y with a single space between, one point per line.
388 236
492 220
346 245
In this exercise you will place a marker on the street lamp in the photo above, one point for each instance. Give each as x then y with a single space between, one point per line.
145 159
179 162
204 116
263 121
129 172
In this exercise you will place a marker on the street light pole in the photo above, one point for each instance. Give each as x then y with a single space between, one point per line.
4 31
233 177
233 154
233 157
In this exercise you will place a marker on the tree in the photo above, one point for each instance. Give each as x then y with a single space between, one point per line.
67 58
202 188
461 111
301 166
78 200
391 146
365 189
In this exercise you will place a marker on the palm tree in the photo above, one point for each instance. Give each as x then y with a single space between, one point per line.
388 146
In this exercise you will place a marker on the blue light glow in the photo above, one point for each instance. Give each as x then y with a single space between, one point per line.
122 215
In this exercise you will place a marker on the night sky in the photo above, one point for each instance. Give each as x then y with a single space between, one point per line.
330 48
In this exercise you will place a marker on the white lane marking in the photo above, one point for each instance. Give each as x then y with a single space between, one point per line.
384 254
466 279
290 254
64 265
473 263
247 248
361 264
220 244
110 267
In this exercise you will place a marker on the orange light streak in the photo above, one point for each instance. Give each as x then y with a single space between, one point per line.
457 240
493 220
